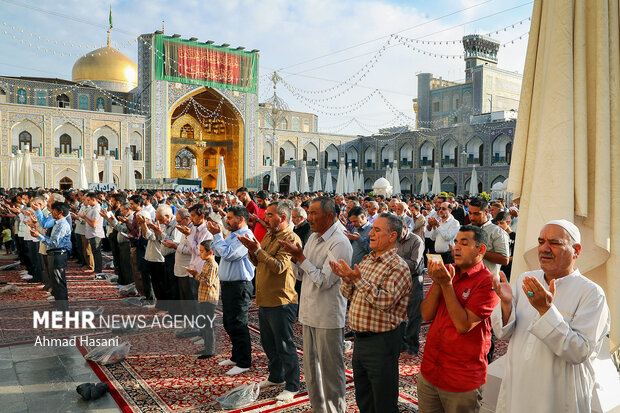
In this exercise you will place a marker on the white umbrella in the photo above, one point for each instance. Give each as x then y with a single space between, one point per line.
362 180
565 158
292 186
304 186
317 180
108 176
82 181
388 175
341 182
273 179
194 171
350 183
27 176
424 186
473 183
356 179
94 170
131 176
222 185
18 168
396 180
11 180
329 188
436 181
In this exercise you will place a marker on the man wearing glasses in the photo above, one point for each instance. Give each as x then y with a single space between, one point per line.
443 230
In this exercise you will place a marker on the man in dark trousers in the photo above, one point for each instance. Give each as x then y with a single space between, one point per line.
58 246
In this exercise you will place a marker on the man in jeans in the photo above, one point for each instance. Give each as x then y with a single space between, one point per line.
276 298
93 230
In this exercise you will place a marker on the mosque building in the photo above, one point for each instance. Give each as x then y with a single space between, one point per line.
187 102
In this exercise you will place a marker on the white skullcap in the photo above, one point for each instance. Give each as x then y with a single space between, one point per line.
513 209
571 228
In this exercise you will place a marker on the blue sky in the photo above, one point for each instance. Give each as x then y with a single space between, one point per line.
304 38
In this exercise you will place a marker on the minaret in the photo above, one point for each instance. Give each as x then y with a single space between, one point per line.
479 50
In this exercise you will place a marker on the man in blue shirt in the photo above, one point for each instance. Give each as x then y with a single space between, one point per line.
360 237
58 246
236 274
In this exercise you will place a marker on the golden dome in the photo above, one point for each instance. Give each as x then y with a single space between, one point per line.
108 68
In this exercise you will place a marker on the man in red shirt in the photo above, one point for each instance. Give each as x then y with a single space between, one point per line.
246 200
258 218
460 303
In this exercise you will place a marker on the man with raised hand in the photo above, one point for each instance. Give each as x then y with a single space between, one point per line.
460 302
556 320
323 308
379 289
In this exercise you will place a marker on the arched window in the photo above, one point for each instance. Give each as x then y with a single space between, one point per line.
369 157
406 155
22 96
62 101
66 183
2 96
266 179
137 174
187 132
102 146
501 147
184 158
427 154
331 156
25 140
100 104
65 143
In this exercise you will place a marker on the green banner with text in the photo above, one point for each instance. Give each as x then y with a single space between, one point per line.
184 61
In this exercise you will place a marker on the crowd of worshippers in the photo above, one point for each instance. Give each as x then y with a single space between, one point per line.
312 258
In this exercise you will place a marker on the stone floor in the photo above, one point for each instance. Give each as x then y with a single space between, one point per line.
43 379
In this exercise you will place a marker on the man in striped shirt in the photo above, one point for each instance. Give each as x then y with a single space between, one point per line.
379 289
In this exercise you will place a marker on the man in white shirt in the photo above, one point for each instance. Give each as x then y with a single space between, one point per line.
323 307
556 320
443 230
94 229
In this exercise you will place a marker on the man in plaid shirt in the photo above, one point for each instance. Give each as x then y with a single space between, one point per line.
379 289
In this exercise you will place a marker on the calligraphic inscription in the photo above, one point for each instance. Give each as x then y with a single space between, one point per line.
191 62
208 64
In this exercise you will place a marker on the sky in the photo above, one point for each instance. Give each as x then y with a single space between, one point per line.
314 45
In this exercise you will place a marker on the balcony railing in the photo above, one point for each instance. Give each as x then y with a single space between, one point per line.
426 162
450 163
500 160
405 163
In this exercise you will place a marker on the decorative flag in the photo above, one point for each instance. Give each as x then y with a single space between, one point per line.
111 17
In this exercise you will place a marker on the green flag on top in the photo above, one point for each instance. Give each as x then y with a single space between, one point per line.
111 17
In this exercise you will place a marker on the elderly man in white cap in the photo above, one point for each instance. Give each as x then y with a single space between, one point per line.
557 320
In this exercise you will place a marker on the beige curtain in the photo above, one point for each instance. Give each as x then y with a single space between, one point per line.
566 157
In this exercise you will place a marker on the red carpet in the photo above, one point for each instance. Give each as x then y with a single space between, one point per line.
161 372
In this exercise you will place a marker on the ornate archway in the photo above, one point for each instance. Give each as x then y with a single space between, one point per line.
207 123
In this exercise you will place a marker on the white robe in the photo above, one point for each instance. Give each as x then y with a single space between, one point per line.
549 359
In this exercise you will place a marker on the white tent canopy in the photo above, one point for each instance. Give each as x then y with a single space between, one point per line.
424 185
350 180
341 182
473 183
329 188
292 187
194 171
82 181
436 181
395 180
108 176
221 185
317 180
11 181
304 186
